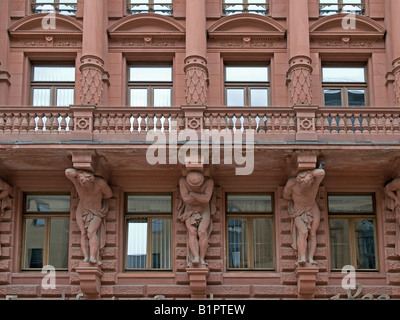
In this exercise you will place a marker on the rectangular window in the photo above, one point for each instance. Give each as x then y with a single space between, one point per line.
46 231
329 7
352 225
150 86
250 235
163 7
66 7
53 86
246 86
245 6
344 86
148 232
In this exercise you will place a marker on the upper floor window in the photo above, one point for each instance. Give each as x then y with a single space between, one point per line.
150 86
246 86
344 86
250 235
329 7
148 232
245 6
45 231
352 225
163 7
67 7
52 85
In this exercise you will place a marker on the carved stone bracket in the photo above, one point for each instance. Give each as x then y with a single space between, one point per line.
92 70
198 282
90 280
306 282
306 160
299 80
196 80
89 160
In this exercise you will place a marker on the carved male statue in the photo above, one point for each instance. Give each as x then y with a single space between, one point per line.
392 190
93 192
301 191
196 210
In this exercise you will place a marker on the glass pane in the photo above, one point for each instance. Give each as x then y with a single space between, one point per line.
249 203
59 239
162 97
237 242
263 243
356 98
352 7
163 8
149 203
351 204
259 97
233 6
246 74
41 98
151 74
343 74
329 8
47 203
54 74
139 98
65 97
137 245
46 7
235 97
161 243
340 243
333 98
34 243
365 244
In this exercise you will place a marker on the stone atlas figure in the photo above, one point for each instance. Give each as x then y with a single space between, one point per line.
196 208
392 190
301 192
93 192
5 199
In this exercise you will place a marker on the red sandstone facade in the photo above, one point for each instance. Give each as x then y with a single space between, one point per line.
99 132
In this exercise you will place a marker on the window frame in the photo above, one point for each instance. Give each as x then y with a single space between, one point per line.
56 5
250 216
150 5
226 4
341 5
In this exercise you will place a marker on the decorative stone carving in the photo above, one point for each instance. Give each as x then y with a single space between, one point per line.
196 207
5 199
196 80
93 192
301 192
299 80
396 84
392 190
92 80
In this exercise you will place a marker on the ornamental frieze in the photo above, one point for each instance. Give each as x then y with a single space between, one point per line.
347 42
247 42
46 42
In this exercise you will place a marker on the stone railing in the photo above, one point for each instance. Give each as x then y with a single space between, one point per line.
125 124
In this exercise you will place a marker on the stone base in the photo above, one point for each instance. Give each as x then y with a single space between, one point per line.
90 279
306 281
198 282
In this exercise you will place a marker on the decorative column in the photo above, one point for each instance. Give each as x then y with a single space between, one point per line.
93 52
300 69
4 48
395 32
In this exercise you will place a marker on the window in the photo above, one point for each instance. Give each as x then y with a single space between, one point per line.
45 231
150 86
245 6
352 225
163 7
250 235
148 232
53 85
246 86
67 7
329 7
344 86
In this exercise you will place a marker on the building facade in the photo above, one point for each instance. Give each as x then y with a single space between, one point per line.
134 134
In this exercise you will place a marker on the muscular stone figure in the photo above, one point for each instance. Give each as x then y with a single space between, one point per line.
392 190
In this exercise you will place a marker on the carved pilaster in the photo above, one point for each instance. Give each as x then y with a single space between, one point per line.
196 80
92 72
396 84
299 80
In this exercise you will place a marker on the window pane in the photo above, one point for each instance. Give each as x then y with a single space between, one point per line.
356 98
259 97
365 244
340 243
263 243
330 8
237 241
149 203
54 74
65 97
41 97
59 235
46 7
249 203
246 74
151 74
333 98
343 74
47 203
162 97
233 6
138 97
137 245
235 97
67 7
161 244
351 204
34 243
